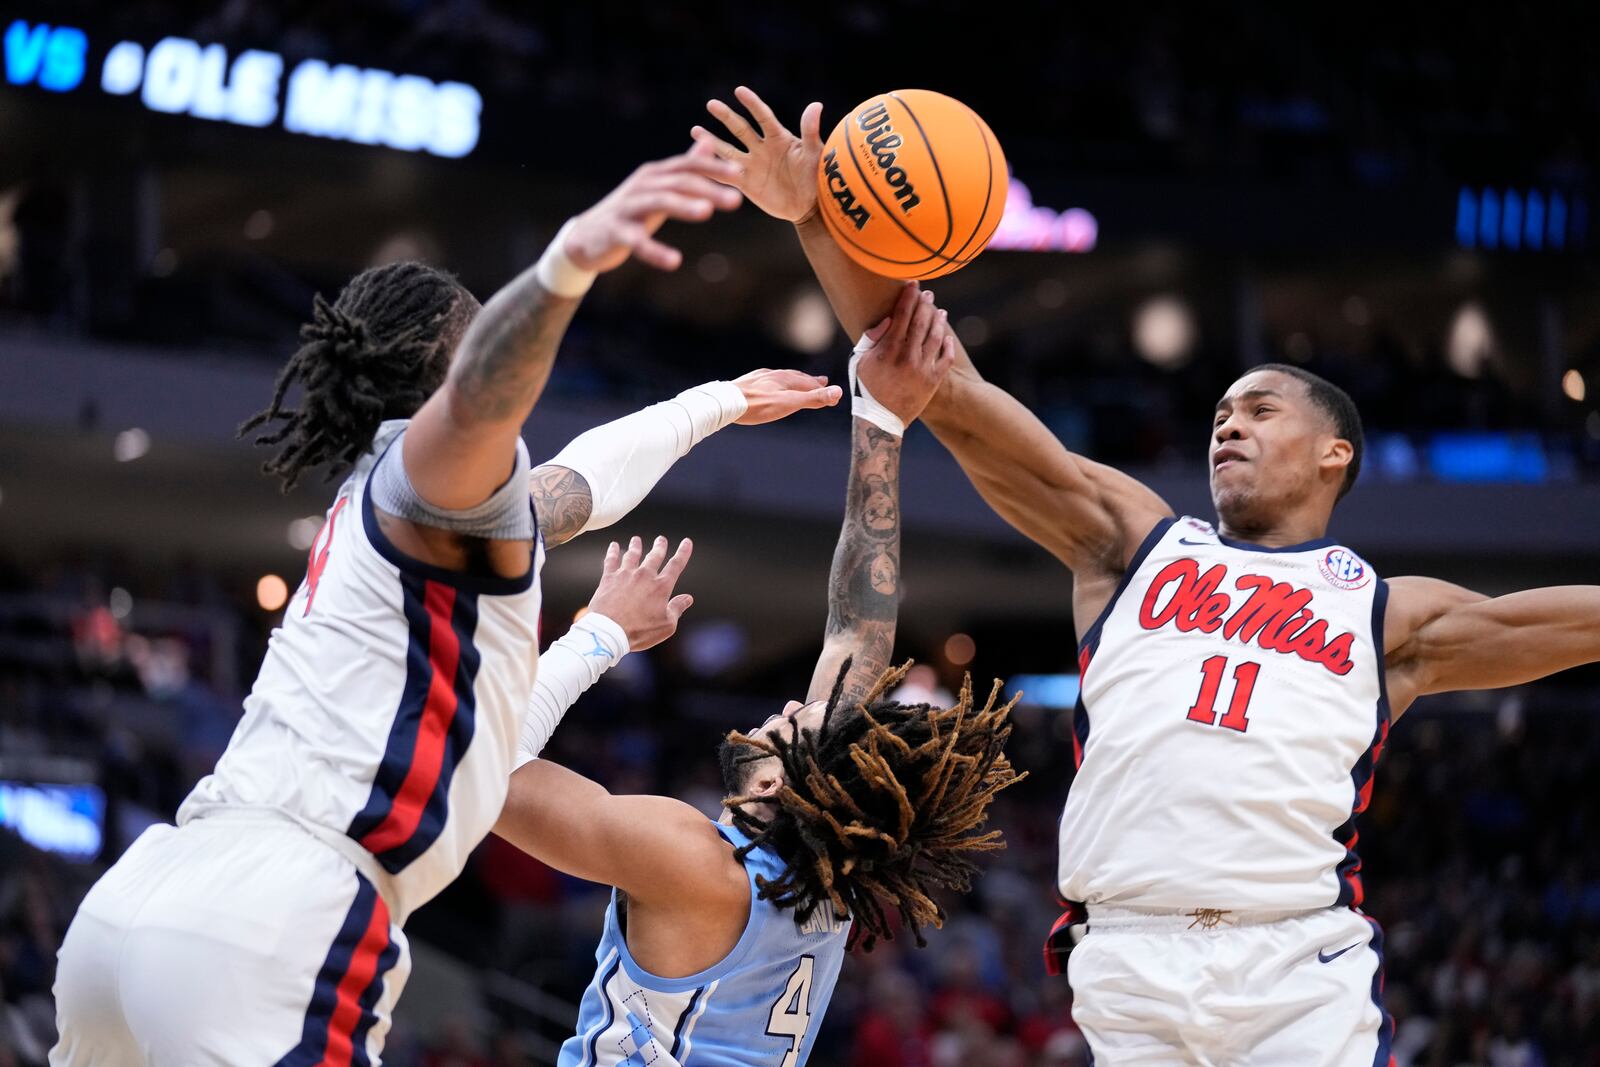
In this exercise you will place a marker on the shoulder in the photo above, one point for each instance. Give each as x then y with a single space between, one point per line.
703 867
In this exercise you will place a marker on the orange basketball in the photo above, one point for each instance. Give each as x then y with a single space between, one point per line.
912 184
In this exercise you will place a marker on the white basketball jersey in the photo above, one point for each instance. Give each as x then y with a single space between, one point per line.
390 700
1232 709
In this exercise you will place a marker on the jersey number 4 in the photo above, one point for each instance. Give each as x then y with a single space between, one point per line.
1244 685
791 1012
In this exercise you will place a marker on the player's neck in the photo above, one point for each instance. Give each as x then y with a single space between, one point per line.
1288 530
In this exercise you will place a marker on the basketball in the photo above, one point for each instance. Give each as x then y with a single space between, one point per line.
912 184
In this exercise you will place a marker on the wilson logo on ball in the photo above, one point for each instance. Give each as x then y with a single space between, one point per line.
839 189
912 148
882 140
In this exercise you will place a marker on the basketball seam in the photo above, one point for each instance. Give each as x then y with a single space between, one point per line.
988 192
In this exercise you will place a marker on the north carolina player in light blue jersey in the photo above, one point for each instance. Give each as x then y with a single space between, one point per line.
723 940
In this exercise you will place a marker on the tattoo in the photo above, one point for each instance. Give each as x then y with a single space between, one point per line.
561 501
507 353
864 584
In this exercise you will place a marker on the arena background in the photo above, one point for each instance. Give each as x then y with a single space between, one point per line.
1400 200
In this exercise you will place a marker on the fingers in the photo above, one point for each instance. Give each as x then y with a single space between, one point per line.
648 250
657 555
705 164
811 126
683 184
922 319
741 130
876 333
722 149
680 559
905 307
947 355
765 119
822 398
613 558
630 558
794 379
678 605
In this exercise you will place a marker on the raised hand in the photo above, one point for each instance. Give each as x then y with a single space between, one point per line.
635 591
776 171
774 394
687 187
903 359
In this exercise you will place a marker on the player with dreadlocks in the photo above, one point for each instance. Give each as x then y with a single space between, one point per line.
723 940
378 739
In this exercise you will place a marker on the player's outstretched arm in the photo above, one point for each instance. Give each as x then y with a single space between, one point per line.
895 369
1089 516
1440 637
459 447
604 473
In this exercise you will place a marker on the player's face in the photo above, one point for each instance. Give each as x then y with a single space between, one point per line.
767 774
1266 442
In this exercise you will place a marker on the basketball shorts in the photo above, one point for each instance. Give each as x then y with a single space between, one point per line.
237 941
1230 988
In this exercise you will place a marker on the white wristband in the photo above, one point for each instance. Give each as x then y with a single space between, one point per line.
567 669
862 403
556 271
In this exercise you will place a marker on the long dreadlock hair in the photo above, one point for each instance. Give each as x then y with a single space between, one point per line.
375 353
881 807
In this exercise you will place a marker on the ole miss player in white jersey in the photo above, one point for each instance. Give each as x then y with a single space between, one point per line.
1239 681
377 741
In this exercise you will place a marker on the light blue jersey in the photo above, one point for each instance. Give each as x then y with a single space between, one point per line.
758 1007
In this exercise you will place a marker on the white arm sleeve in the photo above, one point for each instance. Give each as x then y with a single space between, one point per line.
567 669
623 460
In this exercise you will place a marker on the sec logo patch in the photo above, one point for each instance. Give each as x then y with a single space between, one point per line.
1343 569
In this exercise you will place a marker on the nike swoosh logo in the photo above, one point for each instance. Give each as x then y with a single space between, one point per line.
1322 958
1186 541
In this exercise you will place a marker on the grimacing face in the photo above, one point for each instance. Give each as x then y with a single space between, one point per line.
766 775
1269 446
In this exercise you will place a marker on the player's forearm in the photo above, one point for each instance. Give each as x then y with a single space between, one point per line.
864 582
860 298
604 473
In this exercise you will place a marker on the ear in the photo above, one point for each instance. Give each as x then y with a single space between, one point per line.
1337 456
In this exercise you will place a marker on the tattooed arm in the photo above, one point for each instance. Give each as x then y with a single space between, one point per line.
460 446
901 362
864 584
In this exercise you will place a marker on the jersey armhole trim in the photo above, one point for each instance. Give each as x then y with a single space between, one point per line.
1091 636
1380 612
715 972
490 585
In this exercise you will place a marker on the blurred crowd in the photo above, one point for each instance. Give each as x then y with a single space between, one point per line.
1481 849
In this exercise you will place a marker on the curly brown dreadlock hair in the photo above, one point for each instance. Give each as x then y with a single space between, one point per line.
881 806
375 353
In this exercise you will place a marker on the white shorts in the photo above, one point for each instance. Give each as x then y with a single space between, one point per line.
1248 991
244 942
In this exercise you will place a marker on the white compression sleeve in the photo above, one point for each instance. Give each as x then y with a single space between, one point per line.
567 669
623 460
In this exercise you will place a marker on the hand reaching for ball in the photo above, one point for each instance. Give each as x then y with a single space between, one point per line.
777 171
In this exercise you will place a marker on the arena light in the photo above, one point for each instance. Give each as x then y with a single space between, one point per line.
130 445
1471 341
302 532
808 321
1026 227
959 649
272 592
121 603
1573 386
1164 332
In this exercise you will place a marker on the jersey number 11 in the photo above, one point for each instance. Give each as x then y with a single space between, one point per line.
1244 684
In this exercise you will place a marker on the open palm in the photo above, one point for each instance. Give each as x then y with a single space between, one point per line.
777 170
